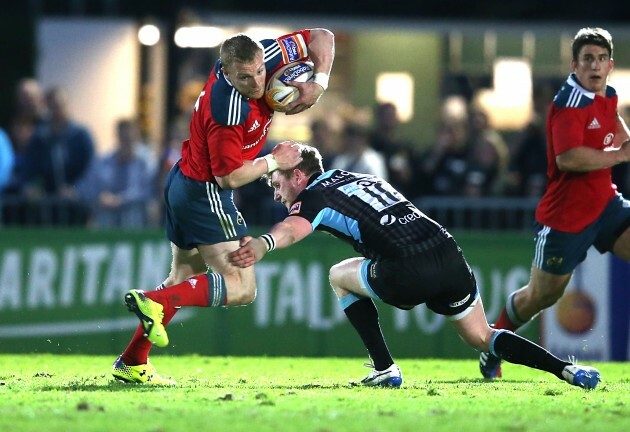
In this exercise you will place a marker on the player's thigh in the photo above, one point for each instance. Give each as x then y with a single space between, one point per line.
344 276
185 264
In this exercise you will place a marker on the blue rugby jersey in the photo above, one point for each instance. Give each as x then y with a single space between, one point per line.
367 212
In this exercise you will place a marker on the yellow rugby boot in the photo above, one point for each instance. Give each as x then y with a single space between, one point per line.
139 374
150 314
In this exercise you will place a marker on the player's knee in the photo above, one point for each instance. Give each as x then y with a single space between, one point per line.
333 276
245 297
241 289
549 296
241 297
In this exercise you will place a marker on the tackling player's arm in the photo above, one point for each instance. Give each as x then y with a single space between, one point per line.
285 155
282 235
321 51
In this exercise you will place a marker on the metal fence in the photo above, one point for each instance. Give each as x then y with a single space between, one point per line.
516 214
495 214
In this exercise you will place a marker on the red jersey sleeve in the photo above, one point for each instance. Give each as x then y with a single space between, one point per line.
294 46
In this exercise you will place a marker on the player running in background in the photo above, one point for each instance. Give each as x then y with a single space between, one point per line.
228 129
407 259
581 208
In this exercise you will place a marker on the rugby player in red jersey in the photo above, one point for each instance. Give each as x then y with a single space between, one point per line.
228 129
581 207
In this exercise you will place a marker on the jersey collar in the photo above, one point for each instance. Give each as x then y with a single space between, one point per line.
573 82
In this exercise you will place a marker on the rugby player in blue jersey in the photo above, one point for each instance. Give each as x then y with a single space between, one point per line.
407 259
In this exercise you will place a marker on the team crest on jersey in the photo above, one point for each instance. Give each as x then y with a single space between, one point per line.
292 48
295 208
608 139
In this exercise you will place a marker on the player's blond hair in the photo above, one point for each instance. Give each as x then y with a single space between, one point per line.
239 48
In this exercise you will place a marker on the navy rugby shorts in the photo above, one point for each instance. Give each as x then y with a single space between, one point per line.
559 252
200 212
439 277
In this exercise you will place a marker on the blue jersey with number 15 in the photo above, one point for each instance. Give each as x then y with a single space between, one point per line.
368 213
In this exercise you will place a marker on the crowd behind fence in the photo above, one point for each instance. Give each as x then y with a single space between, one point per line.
472 176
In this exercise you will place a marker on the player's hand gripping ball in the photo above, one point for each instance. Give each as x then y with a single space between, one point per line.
278 94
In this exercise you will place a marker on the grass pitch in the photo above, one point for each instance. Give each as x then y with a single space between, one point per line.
68 393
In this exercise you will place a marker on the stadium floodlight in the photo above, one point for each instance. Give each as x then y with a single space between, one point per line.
149 35
200 36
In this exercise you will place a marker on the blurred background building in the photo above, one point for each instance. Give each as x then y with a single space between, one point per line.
467 88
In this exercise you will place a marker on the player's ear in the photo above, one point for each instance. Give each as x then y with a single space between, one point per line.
298 175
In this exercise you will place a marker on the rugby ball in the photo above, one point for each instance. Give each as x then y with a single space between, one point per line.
277 93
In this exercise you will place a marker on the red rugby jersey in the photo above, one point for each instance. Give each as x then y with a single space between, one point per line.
227 128
577 117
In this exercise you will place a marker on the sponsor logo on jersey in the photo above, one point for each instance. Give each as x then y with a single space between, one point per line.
459 303
262 136
291 48
341 175
388 220
373 270
255 126
192 282
410 217
594 124
295 208
239 219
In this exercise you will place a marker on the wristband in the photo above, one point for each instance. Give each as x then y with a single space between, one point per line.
321 78
270 241
272 164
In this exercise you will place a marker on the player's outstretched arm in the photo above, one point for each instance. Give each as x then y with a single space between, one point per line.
282 235
285 155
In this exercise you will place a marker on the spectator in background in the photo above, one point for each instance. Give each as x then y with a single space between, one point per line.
119 184
325 139
6 163
56 159
357 155
528 164
486 156
443 167
30 110
385 138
